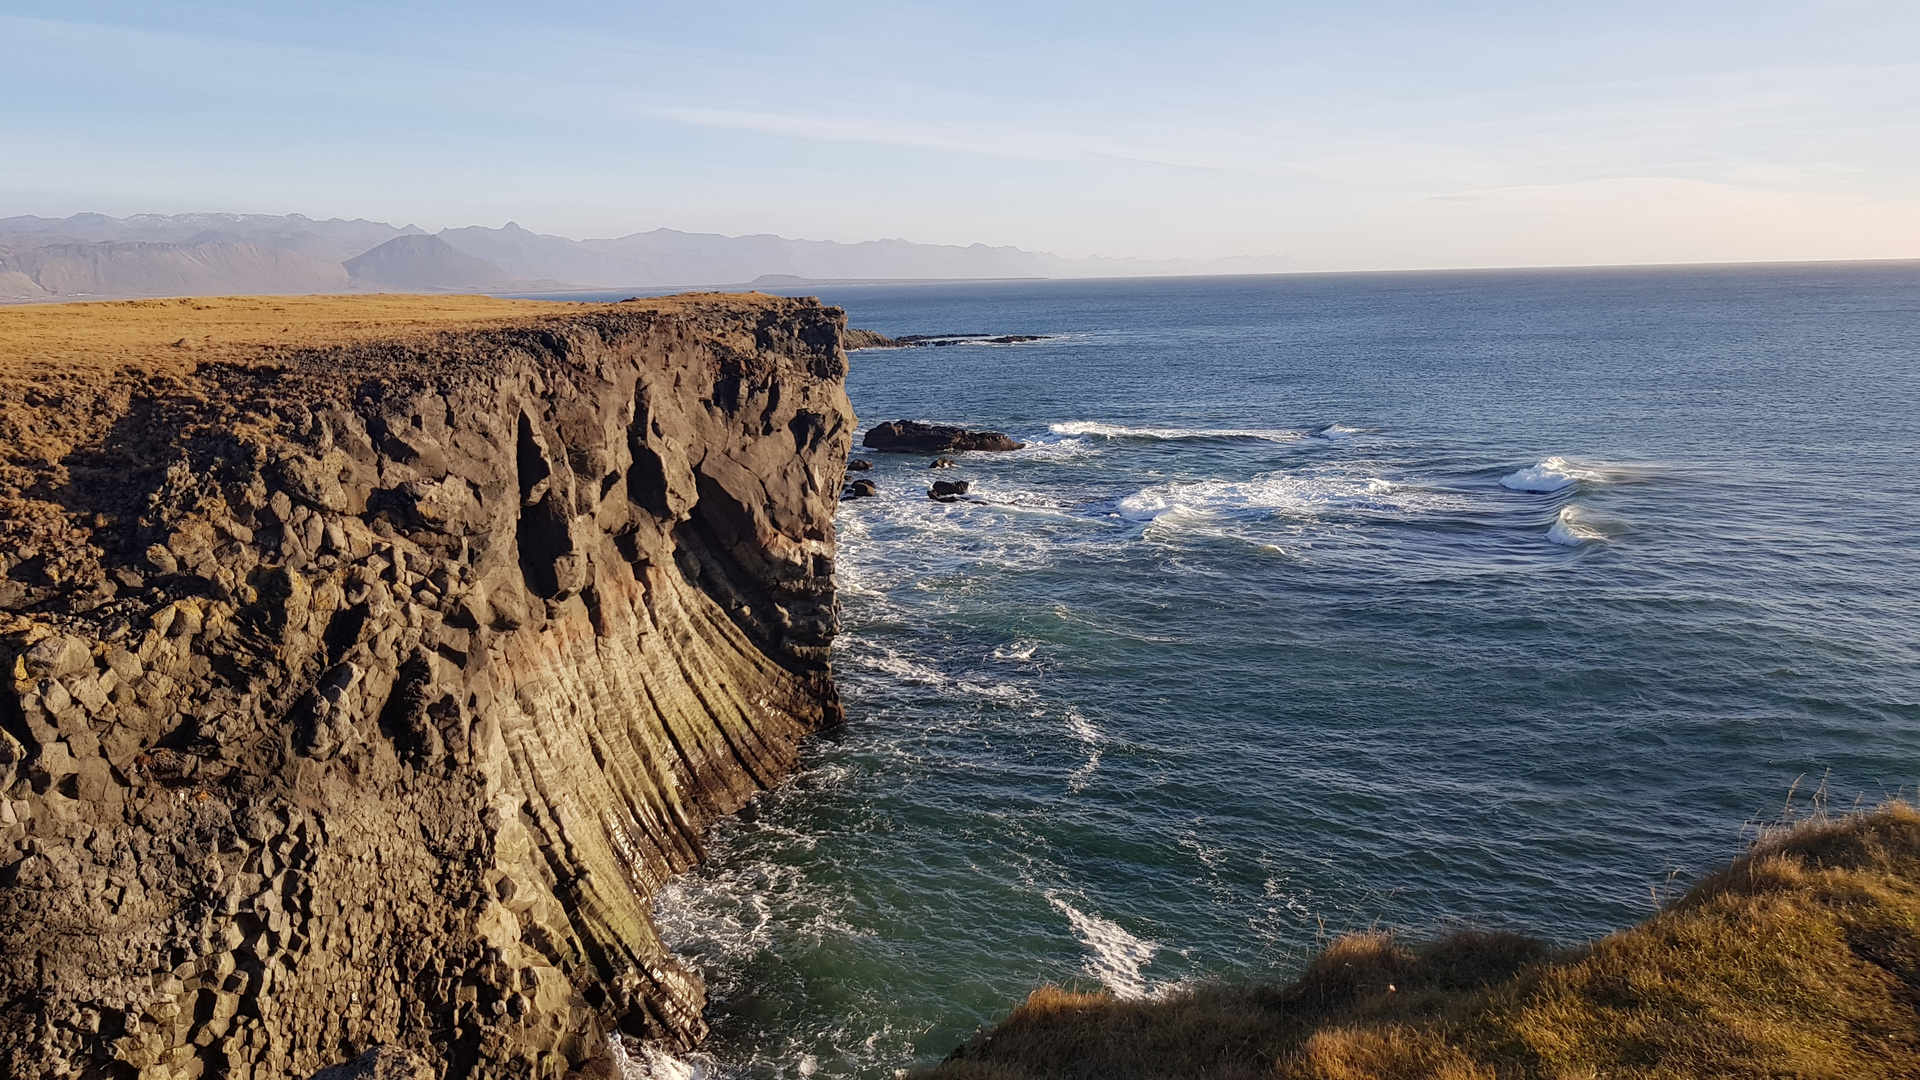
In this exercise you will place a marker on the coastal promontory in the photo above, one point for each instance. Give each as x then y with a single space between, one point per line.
371 661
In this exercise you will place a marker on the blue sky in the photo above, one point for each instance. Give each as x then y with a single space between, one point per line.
1344 135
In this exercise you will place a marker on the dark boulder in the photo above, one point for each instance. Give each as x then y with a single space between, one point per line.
913 437
948 489
860 489
944 463
858 465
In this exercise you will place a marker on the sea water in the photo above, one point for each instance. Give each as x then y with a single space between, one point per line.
1319 603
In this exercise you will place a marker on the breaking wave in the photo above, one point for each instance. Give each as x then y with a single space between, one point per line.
1574 527
1337 432
1100 430
1272 491
646 1061
1553 474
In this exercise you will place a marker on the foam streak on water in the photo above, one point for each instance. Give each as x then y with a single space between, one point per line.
1115 956
1317 603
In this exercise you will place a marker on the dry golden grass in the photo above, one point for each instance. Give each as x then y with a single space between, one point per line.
1801 959
170 336
138 373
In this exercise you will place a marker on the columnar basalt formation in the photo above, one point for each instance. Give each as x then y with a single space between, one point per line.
366 675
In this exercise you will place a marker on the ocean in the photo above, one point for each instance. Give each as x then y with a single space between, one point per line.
1321 603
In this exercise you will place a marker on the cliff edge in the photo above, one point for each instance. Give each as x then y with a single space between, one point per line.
369 662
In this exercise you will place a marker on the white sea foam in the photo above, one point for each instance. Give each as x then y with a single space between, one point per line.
1089 736
1553 474
1019 650
1337 432
649 1062
1574 527
905 669
1117 956
1272 491
1100 430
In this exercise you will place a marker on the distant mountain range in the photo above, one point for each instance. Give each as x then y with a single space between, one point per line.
91 256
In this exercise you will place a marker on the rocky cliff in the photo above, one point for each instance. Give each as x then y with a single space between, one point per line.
370 662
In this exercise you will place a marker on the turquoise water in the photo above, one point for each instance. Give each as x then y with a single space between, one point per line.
1319 603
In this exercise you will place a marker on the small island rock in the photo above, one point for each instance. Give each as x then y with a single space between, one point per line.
913 437
946 490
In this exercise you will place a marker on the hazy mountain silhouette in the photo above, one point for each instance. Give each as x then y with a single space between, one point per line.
95 256
670 257
333 239
119 270
424 263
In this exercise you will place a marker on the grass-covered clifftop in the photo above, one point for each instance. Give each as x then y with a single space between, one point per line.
1800 959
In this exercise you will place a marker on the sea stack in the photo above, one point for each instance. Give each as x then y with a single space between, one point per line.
914 437
370 664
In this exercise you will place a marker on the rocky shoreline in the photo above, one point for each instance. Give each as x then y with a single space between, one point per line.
372 664
868 339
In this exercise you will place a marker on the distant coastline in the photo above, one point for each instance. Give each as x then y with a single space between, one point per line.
95 257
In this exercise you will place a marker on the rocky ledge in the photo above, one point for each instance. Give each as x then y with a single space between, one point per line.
372 661
868 339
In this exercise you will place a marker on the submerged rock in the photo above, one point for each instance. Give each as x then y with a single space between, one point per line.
914 437
944 463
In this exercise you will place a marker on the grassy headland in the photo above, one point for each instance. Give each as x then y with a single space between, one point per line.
1800 959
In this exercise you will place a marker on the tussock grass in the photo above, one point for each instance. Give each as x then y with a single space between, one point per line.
1799 959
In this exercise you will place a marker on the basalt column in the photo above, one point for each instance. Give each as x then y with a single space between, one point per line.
364 693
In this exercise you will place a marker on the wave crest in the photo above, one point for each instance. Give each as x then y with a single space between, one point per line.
1097 429
1272 491
1553 474
1573 527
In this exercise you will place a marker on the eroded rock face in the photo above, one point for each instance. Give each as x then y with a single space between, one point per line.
365 696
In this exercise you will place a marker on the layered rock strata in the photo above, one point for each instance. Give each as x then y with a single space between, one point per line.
365 677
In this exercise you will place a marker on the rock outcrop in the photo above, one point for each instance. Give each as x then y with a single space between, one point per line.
914 437
857 338
368 667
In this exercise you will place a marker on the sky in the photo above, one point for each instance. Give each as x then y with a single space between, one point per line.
1340 135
